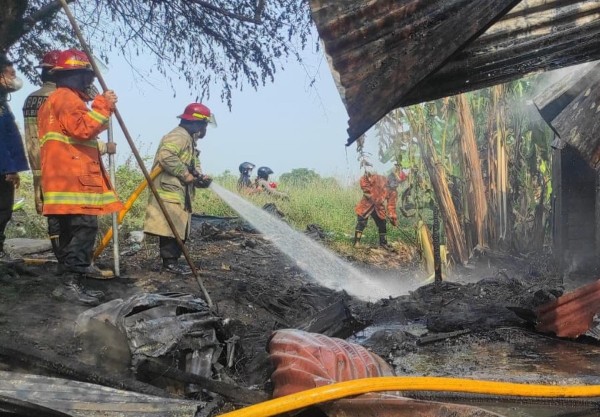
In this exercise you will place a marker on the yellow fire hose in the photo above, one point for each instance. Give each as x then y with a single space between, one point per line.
407 383
126 207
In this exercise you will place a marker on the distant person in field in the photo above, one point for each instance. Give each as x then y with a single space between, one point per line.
379 202
181 174
12 153
262 183
244 182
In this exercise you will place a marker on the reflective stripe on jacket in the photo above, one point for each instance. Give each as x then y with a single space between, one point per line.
376 194
74 180
33 102
175 154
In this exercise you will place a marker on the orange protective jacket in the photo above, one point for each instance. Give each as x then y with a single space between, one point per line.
74 180
377 196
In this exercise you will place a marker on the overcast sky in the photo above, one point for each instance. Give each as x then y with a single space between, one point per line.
284 125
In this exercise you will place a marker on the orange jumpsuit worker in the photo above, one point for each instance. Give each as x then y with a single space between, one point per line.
75 186
378 201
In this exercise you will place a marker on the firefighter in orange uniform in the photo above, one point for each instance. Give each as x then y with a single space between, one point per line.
379 202
75 186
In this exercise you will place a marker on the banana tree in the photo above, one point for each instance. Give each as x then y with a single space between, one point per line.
497 204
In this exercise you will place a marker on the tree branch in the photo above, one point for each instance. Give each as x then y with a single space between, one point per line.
256 19
21 25
44 12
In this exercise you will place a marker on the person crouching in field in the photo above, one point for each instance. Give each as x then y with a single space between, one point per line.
244 182
262 183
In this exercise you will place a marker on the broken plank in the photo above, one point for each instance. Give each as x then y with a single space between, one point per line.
335 321
232 392
72 368
83 399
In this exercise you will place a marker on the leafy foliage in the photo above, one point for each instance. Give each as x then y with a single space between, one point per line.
299 177
503 121
207 42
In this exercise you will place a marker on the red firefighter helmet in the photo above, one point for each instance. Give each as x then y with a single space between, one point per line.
197 112
50 59
72 59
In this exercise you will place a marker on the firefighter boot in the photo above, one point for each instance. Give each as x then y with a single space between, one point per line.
72 290
383 243
357 236
171 265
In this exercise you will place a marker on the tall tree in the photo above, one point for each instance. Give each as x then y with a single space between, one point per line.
207 42
418 116
475 195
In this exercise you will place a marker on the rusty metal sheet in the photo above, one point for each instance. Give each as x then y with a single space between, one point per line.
572 314
386 54
305 360
82 399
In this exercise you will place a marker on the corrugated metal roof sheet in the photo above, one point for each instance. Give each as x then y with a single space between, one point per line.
572 314
305 360
392 53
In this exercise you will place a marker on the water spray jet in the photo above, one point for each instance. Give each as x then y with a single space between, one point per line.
320 263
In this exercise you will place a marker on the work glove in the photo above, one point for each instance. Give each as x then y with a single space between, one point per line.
188 178
111 148
202 181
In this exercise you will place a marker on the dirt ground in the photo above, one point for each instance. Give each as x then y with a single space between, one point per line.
256 290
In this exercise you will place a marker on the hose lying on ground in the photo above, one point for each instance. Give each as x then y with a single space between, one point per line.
406 383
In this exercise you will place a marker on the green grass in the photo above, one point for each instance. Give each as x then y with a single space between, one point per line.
330 206
324 203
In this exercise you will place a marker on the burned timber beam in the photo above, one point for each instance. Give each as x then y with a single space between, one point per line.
49 361
233 393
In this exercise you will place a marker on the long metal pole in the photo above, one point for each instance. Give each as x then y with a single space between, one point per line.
136 154
115 223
